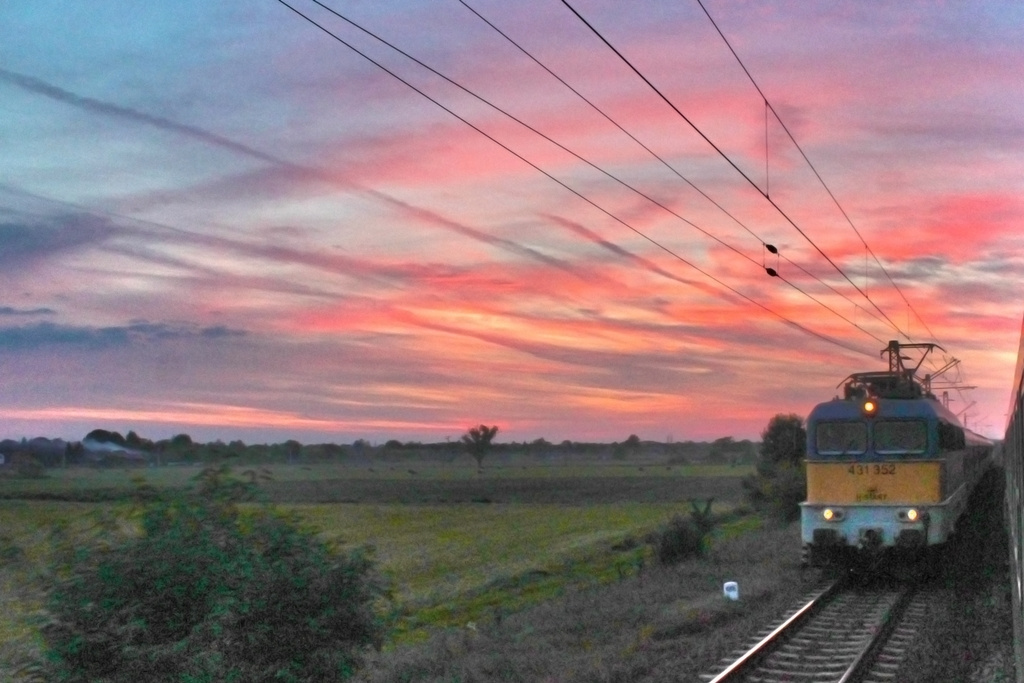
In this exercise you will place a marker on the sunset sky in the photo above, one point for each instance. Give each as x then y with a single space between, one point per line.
215 218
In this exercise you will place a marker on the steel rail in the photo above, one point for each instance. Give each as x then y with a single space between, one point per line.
769 640
867 656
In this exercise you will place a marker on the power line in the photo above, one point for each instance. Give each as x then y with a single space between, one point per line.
611 120
678 174
575 192
835 200
725 156
586 161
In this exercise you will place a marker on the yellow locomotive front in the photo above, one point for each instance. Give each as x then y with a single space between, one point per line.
889 469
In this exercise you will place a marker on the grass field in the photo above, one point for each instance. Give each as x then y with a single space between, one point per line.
456 563
662 625
535 574
90 478
448 564
425 485
531 534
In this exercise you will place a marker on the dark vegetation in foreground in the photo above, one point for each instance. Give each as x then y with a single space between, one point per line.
208 591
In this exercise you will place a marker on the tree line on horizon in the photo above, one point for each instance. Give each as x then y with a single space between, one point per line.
111 448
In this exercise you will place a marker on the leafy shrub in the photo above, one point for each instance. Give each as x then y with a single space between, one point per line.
778 492
780 484
788 490
677 541
683 538
211 591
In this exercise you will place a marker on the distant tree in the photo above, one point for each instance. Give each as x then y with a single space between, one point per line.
477 441
393 444
540 446
721 447
628 448
104 436
216 449
780 483
181 441
333 450
747 452
74 451
783 442
292 448
734 452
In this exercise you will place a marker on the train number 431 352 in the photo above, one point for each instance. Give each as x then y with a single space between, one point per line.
881 468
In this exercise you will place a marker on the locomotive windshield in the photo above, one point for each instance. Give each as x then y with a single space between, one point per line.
900 436
841 438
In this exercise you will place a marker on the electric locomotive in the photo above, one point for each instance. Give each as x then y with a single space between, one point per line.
889 468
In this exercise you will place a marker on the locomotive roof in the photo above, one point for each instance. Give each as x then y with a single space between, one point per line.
850 409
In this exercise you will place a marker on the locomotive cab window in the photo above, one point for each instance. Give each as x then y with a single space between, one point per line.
951 437
901 436
841 438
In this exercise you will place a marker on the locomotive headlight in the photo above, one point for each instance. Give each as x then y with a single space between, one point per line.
832 515
870 407
912 515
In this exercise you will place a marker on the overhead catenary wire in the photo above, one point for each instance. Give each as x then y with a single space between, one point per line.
770 108
835 200
677 173
608 118
728 160
601 170
810 164
667 250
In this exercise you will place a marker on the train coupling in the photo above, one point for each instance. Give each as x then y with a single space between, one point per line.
871 540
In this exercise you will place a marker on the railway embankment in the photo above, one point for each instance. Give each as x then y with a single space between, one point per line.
970 634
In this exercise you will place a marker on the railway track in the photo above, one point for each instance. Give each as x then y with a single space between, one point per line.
842 634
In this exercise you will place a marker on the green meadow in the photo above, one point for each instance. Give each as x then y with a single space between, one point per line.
458 546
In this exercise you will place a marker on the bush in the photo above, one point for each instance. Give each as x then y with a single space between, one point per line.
677 541
778 493
683 538
789 489
210 591
780 484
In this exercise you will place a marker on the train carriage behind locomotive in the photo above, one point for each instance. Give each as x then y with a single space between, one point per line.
890 469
